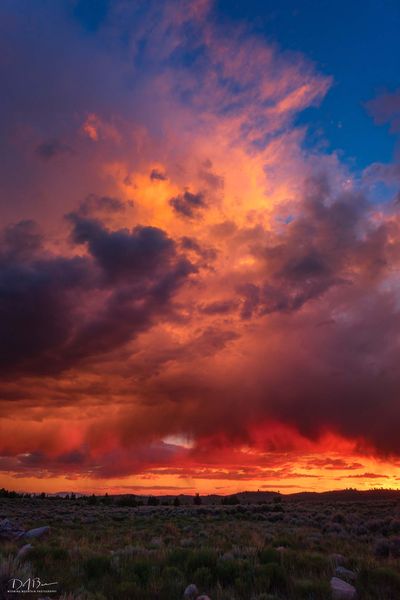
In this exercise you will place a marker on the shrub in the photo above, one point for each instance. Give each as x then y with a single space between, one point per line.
395 547
143 571
177 557
129 589
172 583
311 590
308 563
382 582
97 566
59 554
382 549
269 555
201 558
275 516
204 577
339 518
278 579
227 571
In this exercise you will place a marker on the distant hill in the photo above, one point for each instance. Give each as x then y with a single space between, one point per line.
347 495
245 497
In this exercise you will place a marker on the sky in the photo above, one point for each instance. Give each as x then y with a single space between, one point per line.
199 246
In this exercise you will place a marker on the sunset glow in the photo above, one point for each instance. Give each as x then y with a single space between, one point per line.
194 297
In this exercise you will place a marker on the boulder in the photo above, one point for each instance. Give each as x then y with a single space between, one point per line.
191 592
38 532
341 590
10 531
24 551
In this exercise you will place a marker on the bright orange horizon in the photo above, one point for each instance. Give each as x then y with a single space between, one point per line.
193 297
337 475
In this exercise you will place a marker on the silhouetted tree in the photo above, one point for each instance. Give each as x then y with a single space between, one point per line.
9 494
107 499
197 500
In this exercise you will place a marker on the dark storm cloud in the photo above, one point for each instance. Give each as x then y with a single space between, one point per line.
37 308
188 205
94 204
157 175
191 245
219 307
56 311
123 253
21 240
329 242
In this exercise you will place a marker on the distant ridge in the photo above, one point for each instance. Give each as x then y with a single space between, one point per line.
245 497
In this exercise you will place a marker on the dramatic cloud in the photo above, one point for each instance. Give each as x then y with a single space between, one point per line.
190 295
386 109
188 204
157 175
58 310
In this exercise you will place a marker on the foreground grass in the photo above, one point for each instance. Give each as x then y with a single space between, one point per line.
247 552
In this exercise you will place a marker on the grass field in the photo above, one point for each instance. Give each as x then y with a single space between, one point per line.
277 549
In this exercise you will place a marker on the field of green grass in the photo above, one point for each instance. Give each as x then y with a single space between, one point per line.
280 549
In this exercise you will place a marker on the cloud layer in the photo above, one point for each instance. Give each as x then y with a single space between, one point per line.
187 292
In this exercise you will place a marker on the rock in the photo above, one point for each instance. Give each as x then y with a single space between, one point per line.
38 532
341 590
191 592
10 531
24 551
345 573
